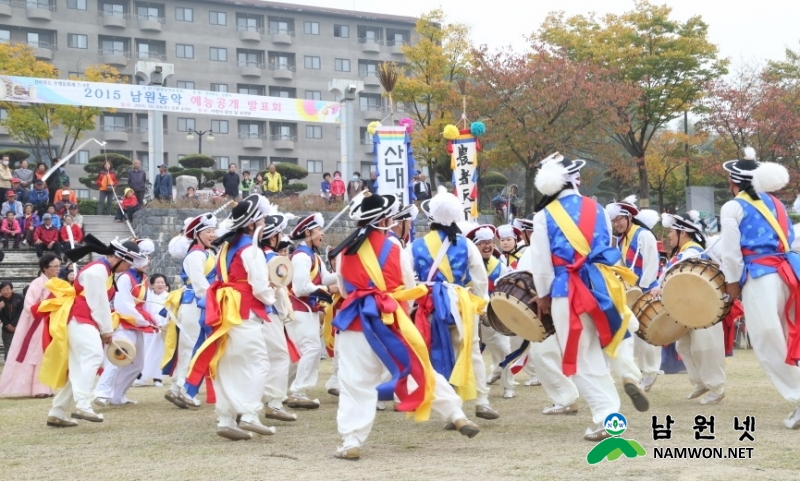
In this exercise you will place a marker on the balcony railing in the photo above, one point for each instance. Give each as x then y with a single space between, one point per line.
157 55
367 142
146 130
249 28
379 41
365 74
251 135
279 66
115 128
151 18
114 51
251 63
106 13
392 43
372 108
281 31
293 138
41 44
33 4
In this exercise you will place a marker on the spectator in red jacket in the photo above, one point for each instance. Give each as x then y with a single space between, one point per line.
45 237
130 204
337 187
9 227
70 226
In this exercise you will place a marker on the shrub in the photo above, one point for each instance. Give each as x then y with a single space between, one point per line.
295 188
492 177
87 206
197 161
15 156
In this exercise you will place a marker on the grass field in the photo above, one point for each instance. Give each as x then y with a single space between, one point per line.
156 441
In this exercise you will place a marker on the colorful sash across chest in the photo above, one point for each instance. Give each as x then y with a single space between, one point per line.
690 249
308 303
766 237
209 270
223 311
389 331
493 270
593 285
139 287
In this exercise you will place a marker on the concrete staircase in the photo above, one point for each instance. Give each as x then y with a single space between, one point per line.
104 228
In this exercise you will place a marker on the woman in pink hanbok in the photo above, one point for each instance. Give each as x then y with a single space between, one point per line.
20 377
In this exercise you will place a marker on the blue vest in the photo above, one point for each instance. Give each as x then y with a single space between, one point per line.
270 254
561 248
691 250
637 267
188 294
758 238
456 254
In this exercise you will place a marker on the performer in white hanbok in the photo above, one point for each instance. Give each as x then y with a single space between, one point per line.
154 342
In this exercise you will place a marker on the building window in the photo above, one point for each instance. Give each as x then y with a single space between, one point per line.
283 92
110 9
183 14
222 161
144 158
283 131
341 65
253 58
314 166
250 89
83 193
367 167
76 40
151 12
311 28
81 158
141 124
76 4
313 95
217 18
313 132
151 49
219 126
185 84
283 160
77 75
368 68
184 51
5 36
253 164
341 31
114 123
249 22
366 139
184 124
113 46
312 63
219 87
283 26
217 54
370 101
251 130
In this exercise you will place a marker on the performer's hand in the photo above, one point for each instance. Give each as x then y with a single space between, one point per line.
106 338
544 305
656 291
333 289
734 290
2 304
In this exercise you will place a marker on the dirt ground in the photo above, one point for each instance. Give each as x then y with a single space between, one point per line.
153 440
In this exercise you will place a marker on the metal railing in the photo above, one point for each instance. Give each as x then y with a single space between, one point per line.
379 41
250 28
372 108
251 63
106 13
293 138
34 5
146 130
281 31
251 135
278 66
392 43
115 128
158 55
44 45
146 17
366 74
114 51
367 142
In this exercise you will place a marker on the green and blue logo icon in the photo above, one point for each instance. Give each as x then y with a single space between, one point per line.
615 446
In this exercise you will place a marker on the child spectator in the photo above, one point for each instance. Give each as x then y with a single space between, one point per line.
247 184
68 228
325 187
130 204
29 222
9 228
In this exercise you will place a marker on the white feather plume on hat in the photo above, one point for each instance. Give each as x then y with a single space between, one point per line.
445 208
694 216
648 217
613 210
179 247
551 178
631 199
769 177
667 220
749 153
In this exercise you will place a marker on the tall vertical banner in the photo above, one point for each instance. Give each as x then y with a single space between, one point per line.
395 161
464 163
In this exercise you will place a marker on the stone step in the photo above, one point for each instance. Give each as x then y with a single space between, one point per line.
21 256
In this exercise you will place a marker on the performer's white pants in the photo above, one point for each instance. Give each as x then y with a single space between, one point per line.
499 347
242 373
478 366
115 381
333 381
189 319
153 353
592 378
360 373
624 363
304 333
764 301
85 358
278 352
545 357
703 354
648 356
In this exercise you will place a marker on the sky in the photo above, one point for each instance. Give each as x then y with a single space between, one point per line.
745 31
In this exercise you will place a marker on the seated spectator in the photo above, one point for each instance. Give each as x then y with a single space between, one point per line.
337 186
12 205
130 204
24 174
11 307
73 197
325 187
77 218
10 229
67 273
45 237
62 203
192 197
39 197
29 222
68 228
51 209
22 192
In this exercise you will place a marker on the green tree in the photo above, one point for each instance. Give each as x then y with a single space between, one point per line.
435 64
15 156
38 125
669 62
199 167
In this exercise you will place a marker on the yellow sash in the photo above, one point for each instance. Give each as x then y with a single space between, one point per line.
762 209
626 242
172 303
230 301
116 317
55 363
327 321
615 287
407 328
469 305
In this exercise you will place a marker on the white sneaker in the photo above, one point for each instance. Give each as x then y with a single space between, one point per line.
647 381
793 420
509 393
101 402
533 381
158 384
713 398
128 401
380 406
139 383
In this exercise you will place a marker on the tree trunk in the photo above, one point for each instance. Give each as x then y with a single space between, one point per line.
661 200
530 190
644 185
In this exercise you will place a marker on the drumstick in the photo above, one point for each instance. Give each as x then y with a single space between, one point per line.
123 351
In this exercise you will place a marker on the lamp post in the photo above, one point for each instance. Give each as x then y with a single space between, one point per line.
190 136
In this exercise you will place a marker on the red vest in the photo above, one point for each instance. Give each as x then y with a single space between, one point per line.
80 308
237 278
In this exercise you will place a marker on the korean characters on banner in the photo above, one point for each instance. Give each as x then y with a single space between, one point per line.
394 159
463 152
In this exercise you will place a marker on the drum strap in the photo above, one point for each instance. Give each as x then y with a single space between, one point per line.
433 242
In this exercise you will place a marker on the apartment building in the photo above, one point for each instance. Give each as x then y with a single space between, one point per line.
245 46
